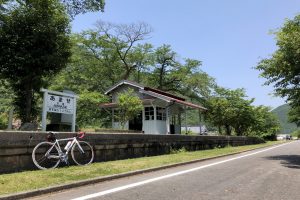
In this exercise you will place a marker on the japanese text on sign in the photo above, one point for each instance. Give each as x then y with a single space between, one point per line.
60 104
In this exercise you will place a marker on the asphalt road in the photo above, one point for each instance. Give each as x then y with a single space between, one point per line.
261 174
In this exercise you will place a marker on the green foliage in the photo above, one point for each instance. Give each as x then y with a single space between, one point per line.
34 44
266 123
5 103
73 7
181 78
6 96
230 110
88 110
102 57
296 133
189 132
86 71
282 69
119 41
164 68
198 86
177 151
3 121
129 106
294 114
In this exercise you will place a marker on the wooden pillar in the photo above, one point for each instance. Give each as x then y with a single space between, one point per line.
200 124
179 122
155 119
167 120
143 120
44 115
10 119
112 117
74 116
185 119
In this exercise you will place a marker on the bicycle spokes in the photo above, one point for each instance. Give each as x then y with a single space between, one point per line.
82 153
45 155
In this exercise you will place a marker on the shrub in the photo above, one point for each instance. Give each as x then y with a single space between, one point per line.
3 121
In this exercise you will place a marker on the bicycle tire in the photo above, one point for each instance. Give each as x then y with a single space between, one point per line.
43 161
82 158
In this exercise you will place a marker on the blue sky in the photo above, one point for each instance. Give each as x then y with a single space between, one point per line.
229 36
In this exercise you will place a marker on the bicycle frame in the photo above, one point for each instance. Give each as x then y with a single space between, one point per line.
50 153
60 151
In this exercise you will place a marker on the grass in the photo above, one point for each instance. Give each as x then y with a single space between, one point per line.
31 180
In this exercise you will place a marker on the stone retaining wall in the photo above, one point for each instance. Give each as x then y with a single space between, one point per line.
16 147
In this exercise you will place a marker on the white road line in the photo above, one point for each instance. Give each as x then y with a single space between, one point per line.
98 194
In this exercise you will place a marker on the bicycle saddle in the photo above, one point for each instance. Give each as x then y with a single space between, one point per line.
50 137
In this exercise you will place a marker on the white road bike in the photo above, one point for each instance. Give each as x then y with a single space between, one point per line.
47 155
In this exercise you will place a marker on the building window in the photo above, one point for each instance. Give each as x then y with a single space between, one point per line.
149 113
161 113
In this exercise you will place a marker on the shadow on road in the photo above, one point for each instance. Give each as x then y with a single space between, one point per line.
290 161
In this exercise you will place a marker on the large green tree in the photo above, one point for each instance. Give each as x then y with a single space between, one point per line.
180 76
89 112
129 106
230 110
89 70
165 64
34 37
73 7
282 69
121 40
266 124
35 43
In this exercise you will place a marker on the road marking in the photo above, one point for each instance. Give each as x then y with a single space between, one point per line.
125 187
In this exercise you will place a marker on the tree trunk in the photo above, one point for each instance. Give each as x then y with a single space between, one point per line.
127 73
161 76
239 132
28 102
219 128
227 129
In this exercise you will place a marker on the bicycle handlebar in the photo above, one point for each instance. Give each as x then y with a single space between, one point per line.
51 136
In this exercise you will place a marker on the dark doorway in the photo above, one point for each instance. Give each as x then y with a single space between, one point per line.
136 124
172 129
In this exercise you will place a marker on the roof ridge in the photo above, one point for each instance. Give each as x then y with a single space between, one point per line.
161 92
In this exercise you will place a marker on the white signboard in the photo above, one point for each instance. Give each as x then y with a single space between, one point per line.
60 104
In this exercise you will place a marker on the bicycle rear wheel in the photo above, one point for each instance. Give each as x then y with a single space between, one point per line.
45 155
83 153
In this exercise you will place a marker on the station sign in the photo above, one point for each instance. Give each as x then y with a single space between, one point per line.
60 104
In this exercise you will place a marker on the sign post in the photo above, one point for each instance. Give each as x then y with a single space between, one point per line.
58 102
10 119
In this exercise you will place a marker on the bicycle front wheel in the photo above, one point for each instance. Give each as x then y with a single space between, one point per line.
82 153
45 155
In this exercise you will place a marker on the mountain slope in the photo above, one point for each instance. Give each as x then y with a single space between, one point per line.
282 113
